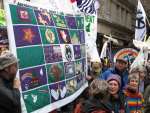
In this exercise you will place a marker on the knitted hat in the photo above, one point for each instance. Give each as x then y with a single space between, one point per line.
6 59
114 77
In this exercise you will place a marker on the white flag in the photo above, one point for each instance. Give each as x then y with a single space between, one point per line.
104 50
140 29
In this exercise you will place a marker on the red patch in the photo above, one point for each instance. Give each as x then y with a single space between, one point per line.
72 1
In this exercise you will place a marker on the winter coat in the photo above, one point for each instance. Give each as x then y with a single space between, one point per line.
117 104
9 97
93 105
123 75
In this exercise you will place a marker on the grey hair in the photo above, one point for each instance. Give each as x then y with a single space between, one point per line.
98 86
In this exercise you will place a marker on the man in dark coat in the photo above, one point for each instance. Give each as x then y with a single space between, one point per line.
9 86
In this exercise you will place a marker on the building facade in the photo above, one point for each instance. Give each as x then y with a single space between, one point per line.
116 17
1 4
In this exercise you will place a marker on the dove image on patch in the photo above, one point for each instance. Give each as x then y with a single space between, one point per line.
35 99
62 89
58 91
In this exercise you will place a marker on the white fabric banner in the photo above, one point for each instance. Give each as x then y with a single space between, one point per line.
140 29
91 36
51 49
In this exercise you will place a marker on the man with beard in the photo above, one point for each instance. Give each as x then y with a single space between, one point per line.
133 98
9 86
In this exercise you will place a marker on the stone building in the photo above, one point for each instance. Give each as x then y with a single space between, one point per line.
1 4
116 17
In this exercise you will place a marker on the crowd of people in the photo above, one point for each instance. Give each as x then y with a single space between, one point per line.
115 89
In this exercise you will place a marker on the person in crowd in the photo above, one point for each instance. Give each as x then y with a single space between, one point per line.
147 88
99 96
147 77
147 99
134 101
9 86
89 77
116 100
120 69
96 69
141 71
106 64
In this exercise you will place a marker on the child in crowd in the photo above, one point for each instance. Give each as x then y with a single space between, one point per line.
133 98
141 71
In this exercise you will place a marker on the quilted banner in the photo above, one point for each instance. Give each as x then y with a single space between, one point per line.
50 46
